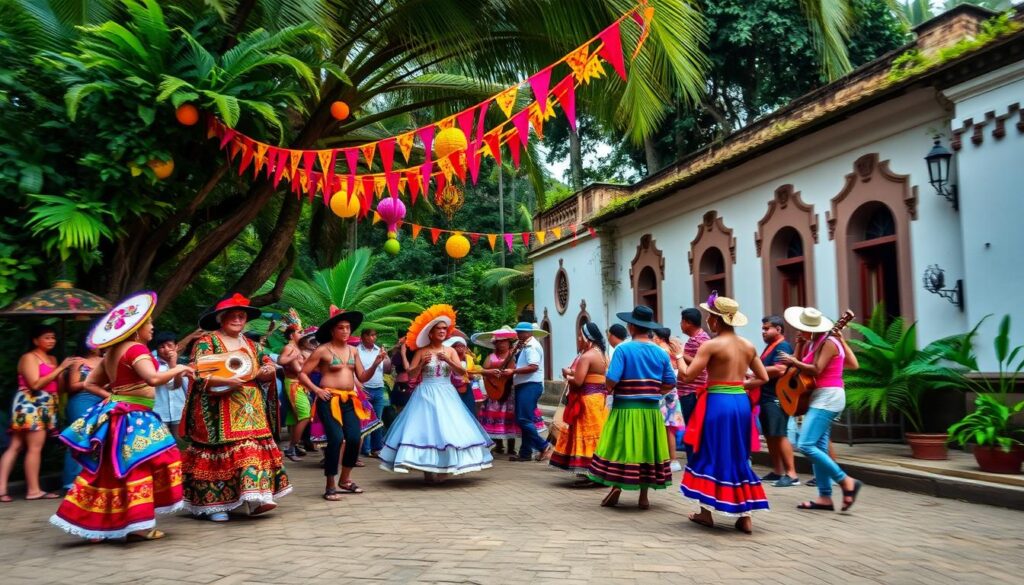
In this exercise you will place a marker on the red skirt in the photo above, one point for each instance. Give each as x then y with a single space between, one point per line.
101 505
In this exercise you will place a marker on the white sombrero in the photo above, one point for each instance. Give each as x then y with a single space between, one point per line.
807 319
122 321
419 332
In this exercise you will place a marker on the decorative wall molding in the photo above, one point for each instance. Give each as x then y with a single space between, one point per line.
996 122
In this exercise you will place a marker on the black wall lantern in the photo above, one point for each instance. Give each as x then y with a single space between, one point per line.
935 282
938 173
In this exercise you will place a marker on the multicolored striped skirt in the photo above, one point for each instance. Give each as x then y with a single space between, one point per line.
633 452
575 447
719 476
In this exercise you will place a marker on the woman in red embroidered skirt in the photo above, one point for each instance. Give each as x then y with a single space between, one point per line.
233 459
131 468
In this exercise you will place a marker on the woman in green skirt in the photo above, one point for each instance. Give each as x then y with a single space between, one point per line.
633 452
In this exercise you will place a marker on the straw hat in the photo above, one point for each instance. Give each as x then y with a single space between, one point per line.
807 319
726 308
487 338
122 321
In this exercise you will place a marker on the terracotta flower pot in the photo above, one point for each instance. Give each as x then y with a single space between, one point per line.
930 446
995 460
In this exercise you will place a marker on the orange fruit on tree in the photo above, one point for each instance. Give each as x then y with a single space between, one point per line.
187 114
339 110
161 168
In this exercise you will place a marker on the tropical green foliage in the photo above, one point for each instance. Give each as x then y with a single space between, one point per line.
516 283
462 290
990 425
894 376
386 305
918 11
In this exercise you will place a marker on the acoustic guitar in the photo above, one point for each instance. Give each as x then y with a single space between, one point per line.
499 388
794 387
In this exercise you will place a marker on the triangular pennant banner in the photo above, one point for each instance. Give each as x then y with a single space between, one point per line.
280 167
526 238
435 233
474 238
508 241
261 156
458 163
465 121
577 61
439 183
513 146
247 154
491 239
378 186
308 160
540 236
593 232
405 144
558 232
327 165
426 135
387 154
522 123
473 160
376 217
506 100
480 122
565 91
368 151
539 83
294 157
394 184
416 231
413 178
611 48
229 134
493 141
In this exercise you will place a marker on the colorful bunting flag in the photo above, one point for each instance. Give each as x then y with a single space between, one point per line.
405 144
565 92
611 48
540 236
416 231
506 100
491 239
368 151
539 83
508 241
434 234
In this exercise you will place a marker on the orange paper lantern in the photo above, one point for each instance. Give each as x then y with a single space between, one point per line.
187 114
161 168
448 141
344 206
457 246
339 110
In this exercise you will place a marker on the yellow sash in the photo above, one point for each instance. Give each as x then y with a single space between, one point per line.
340 396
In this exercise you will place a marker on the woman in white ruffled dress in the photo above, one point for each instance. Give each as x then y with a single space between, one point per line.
435 433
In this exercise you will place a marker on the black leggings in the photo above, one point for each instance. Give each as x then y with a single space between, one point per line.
336 433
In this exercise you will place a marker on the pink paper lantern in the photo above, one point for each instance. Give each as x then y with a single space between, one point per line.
391 211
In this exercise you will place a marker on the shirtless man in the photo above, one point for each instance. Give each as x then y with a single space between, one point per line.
338 402
719 475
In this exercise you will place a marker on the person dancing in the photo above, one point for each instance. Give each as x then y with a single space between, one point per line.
824 358
232 460
131 467
299 412
340 406
719 475
587 411
632 453
435 433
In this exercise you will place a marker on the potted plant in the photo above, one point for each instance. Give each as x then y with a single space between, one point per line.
998 446
894 376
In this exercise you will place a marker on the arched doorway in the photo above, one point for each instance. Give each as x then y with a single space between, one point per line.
712 274
870 223
712 254
784 240
646 273
789 270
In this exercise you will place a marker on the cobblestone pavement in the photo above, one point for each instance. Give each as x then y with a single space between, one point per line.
522 523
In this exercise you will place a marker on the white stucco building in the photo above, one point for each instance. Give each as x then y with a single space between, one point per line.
827 202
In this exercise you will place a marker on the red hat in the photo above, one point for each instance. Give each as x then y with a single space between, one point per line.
210 320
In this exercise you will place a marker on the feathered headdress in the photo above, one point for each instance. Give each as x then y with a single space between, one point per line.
419 332
291 320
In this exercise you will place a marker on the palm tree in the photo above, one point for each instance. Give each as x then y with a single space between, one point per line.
516 282
384 304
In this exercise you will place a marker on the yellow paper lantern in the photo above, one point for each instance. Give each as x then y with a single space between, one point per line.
448 141
344 206
161 168
457 246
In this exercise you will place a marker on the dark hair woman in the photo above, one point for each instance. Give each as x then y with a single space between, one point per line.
80 399
34 413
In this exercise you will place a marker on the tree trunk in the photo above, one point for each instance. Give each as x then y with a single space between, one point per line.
575 160
274 249
651 155
282 279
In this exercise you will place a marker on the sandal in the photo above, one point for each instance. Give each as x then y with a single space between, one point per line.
350 487
612 498
852 494
696 517
153 534
815 506
332 495
44 496
6 499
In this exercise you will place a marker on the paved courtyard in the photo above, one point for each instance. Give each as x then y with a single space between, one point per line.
521 523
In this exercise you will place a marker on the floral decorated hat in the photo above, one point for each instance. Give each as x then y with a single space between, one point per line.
419 332
122 321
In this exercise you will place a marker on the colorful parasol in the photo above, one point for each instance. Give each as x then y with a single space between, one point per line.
62 300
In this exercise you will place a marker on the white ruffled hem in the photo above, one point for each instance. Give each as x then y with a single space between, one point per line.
721 513
258 498
407 467
453 460
111 534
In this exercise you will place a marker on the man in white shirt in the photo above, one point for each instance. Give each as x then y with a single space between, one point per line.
368 351
170 397
528 385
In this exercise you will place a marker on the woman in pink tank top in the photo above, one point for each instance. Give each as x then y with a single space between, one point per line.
824 358
34 412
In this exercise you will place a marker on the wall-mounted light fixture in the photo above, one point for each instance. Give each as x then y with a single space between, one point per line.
938 173
935 282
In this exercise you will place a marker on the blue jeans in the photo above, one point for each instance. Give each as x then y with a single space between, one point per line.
813 442
527 396
375 442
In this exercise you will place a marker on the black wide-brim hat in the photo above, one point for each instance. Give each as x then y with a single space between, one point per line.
326 330
641 316
209 322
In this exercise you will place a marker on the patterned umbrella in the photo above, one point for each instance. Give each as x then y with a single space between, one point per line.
63 300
